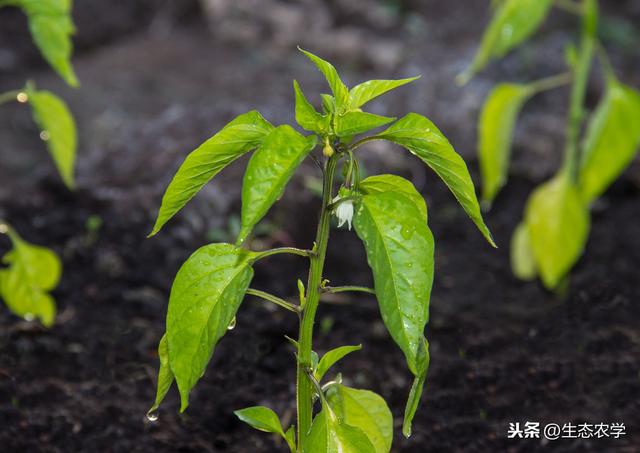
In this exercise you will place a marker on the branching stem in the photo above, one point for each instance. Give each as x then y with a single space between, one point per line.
284 250
274 299
343 289
9 96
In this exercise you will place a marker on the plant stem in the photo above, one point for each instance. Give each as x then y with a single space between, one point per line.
342 289
570 6
549 83
273 299
283 250
579 91
304 387
9 96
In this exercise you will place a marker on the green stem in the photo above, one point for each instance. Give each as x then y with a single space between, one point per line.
304 387
570 6
549 83
361 142
273 299
579 90
9 96
342 289
284 250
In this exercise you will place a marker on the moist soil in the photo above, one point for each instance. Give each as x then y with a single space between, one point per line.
502 351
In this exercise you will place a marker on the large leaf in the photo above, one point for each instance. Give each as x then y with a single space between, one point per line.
393 183
523 263
331 357
356 122
204 299
612 141
366 91
240 136
165 375
32 271
330 434
558 225
51 27
420 136
58 129
307 116
400 250
513 22
339 89
268 173
497 121
365 410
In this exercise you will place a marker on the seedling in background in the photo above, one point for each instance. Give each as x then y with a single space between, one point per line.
389 216
555 229
33 270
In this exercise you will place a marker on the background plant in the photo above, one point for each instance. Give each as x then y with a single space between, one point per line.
389 216
32 270
556 224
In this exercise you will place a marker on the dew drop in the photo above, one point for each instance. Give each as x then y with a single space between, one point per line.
152 415
22 97
44 136
4 228
232 324
29 317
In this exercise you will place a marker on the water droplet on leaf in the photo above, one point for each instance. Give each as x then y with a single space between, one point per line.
152 415
232 324
29 317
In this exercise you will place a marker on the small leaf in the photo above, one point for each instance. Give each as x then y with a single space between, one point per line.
513 22
355 122
329 434
331 357
268 173
392 183
413 401
612 140
205 297
497 122
58 127
261 418
307 116
165 375
365 410
558 224
523 263
290 437
244 133
32 271
366 91
422 138
339 89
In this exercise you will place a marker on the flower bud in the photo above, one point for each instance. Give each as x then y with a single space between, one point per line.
327 150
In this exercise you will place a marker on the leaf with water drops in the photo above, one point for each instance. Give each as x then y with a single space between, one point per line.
353 123
423 139
268 172
58 130
330 359
205 297
165 378
393 183
32 271
367 91
244 133
513 22
400 252
261 418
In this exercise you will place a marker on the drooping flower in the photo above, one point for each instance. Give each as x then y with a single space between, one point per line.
344 211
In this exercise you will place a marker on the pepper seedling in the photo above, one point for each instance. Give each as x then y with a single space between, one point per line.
388 214
553 235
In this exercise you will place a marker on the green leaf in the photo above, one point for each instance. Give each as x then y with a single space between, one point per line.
392 183
365 410
497 122
290 437
558 224
261 418
58 129
413 401
331 357
268 173
523 263
513 22
339 89
51 27
400 252
308 117
31 272
165 375
366 91
422 138
328 103
355 122
330 434
612 140
244 133
205 297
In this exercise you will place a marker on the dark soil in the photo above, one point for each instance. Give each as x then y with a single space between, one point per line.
501 351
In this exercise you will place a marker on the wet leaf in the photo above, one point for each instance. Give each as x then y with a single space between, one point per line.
307 116
268 172
612 141
523 263
497 122
413 401
240 136
355 122
331 357
165 375
58 129
261 418
367 91
205 297
339 89
329 434
392 183
422 138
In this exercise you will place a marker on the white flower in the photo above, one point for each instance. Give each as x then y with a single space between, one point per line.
344 212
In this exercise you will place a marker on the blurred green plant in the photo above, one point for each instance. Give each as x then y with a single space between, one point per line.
33 270
389 216
555 229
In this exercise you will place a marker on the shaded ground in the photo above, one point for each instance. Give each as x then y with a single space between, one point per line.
502 351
